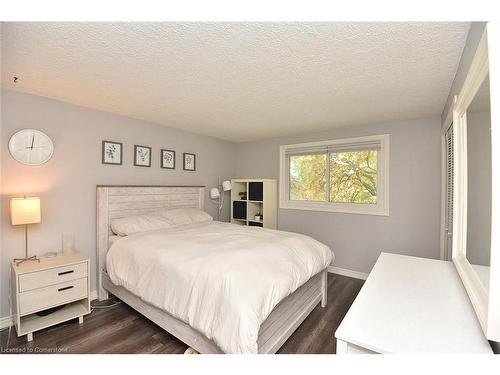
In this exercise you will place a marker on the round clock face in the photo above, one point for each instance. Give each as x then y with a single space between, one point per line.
31 146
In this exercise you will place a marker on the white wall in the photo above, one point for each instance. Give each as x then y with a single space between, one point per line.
66 184
412 227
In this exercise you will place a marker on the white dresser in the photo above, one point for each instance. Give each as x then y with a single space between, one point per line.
52 282
411 305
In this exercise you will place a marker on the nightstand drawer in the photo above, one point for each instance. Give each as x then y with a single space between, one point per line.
40 279
39 299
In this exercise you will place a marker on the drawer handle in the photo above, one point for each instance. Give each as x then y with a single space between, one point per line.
65 272
65 288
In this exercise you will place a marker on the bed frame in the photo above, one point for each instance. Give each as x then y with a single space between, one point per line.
114 201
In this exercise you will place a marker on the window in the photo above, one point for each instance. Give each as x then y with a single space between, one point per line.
346 175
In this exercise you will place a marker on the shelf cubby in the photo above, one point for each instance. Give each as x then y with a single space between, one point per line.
261 198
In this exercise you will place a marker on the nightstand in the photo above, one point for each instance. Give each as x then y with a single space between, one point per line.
62 281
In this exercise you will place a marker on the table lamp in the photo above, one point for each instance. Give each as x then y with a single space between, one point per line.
25 211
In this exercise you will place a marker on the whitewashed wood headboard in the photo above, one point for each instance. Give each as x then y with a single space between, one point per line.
114 201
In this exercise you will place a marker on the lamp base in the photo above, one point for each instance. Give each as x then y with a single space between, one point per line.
18 261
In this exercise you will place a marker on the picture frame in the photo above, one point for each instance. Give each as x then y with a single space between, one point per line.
142 156
112 153
167 159
189 161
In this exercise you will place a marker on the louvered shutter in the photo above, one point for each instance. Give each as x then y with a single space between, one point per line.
449 192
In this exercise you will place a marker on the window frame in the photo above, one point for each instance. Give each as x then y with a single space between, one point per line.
383 158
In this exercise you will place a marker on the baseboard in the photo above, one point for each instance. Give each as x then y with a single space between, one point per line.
7 321
347 272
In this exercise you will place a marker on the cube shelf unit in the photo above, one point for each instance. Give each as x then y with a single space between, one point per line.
261 198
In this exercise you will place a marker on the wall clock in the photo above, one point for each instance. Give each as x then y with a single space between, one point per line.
31 147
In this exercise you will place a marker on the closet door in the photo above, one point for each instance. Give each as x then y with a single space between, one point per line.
448 230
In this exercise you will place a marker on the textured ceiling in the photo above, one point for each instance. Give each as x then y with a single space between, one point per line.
240 81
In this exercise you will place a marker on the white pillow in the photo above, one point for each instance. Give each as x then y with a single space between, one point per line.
126 226
181 216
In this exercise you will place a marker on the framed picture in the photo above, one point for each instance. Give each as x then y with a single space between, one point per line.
189 162
112 152
142 156
167 159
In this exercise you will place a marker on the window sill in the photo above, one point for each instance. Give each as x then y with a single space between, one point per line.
329 207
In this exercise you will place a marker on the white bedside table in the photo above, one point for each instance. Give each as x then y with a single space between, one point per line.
37 286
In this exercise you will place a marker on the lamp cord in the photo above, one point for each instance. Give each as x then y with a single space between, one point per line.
114 302
26 239
221 200
10 307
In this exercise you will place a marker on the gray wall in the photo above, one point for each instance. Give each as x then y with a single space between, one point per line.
66 184
412 227
479 187
473 38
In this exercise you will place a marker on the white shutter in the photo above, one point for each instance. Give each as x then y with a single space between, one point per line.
449 192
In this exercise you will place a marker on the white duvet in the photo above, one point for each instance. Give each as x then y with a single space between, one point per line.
222 279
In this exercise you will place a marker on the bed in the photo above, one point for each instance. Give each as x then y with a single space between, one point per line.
282 312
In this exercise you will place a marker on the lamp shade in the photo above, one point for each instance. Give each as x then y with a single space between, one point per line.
214 193
226 185
25 210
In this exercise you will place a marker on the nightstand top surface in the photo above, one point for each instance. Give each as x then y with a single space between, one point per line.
47 263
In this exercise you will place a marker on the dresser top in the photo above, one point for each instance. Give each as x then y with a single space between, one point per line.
413 305
47 263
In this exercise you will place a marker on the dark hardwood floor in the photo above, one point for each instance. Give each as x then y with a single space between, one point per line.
121 329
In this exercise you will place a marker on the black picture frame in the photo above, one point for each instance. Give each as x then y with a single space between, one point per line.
103 155
135 156
161 158
184 161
